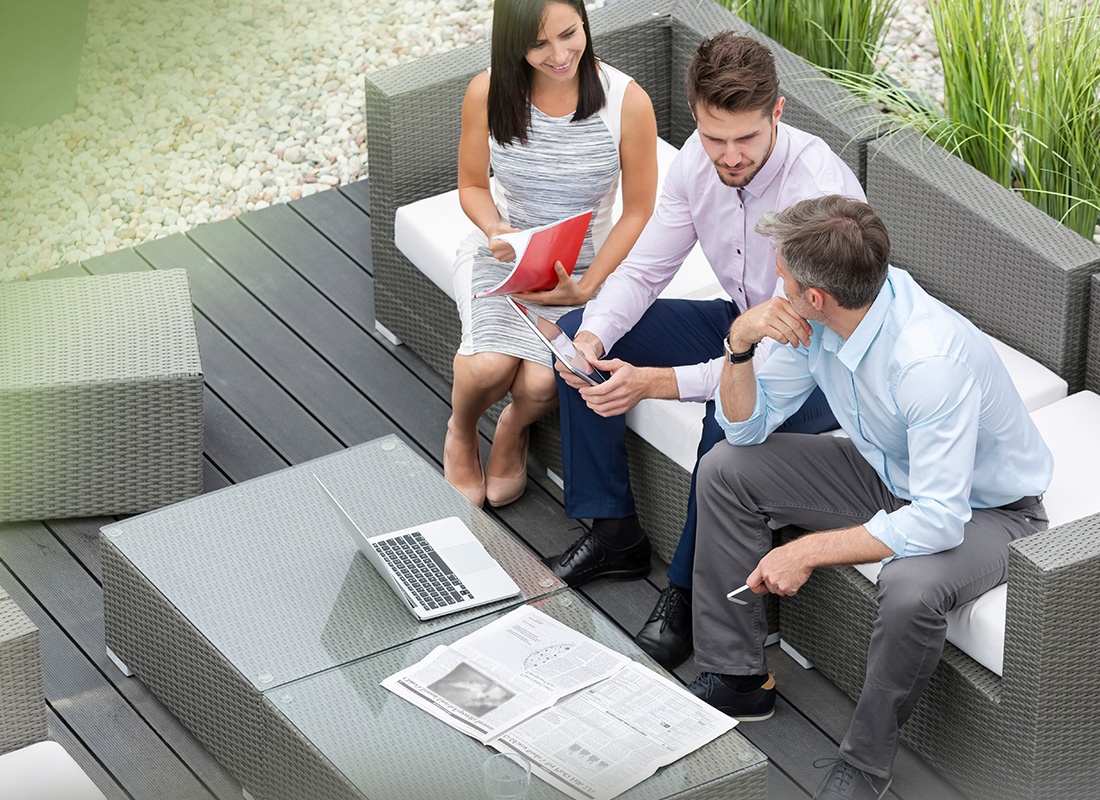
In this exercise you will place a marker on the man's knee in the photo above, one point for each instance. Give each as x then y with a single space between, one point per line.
906 593
721 467
571 322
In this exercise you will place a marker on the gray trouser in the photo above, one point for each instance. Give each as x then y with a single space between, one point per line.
822 483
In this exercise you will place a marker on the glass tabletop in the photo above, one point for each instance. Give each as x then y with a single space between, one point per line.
391 750
268 573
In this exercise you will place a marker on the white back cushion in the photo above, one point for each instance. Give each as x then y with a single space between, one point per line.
1071 429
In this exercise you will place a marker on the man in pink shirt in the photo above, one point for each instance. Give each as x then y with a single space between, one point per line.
741 161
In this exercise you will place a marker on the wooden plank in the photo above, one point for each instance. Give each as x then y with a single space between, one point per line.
781 787
232 446
212 477
345 224
315 258
67 271
278 350
80 536
85 759
239 383
358 193
119 261
359 357
87 692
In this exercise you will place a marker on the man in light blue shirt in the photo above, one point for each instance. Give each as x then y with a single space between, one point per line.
942 468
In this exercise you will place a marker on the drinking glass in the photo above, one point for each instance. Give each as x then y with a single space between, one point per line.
507 776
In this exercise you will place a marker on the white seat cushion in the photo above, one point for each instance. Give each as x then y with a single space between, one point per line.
44 771
1071 429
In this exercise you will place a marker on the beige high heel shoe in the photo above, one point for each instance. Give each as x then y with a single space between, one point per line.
475 494
500 491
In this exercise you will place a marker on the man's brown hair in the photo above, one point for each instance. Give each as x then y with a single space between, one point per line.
734 74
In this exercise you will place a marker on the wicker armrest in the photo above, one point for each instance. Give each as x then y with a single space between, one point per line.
1092 371
1015 272
1052 655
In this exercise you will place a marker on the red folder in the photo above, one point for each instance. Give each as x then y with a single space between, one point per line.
536 251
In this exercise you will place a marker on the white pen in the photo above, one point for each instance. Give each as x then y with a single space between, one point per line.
733 598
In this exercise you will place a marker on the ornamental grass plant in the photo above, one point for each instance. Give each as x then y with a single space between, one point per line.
1021 99
834 34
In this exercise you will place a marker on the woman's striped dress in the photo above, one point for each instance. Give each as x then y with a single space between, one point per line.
565 168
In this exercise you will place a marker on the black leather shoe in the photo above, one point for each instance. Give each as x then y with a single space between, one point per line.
666 636
588 558
846 782
755 705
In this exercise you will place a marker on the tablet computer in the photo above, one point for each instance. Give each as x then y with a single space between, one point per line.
560 344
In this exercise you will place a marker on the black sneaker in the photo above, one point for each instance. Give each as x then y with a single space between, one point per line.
755 705
588 558
845 782
666 636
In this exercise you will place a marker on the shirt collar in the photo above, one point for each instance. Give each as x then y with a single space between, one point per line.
853 350
763 179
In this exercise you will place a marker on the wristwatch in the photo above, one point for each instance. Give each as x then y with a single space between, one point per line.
738 358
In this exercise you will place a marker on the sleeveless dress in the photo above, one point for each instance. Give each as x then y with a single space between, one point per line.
565 168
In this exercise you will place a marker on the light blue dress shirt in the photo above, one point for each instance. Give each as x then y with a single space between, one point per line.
926 400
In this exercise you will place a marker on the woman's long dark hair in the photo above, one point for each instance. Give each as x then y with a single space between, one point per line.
516 26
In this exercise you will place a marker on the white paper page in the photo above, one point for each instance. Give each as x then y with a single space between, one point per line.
611 736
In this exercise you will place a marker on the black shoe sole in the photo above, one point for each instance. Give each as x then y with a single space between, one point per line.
614 575
751 717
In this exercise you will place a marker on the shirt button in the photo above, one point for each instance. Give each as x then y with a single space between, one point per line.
739 251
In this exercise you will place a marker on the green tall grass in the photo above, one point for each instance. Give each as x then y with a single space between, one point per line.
1059 116
1021 98
833 34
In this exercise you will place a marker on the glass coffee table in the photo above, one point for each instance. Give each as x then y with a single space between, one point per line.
250 613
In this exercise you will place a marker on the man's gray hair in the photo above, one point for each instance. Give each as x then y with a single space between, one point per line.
832 243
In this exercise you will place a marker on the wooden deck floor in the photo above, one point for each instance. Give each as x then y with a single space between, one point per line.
294 370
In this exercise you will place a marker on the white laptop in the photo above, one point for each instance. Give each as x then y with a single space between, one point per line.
436 568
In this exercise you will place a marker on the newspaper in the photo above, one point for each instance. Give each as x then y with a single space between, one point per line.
592 722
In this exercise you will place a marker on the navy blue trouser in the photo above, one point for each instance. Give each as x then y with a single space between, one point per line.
671 333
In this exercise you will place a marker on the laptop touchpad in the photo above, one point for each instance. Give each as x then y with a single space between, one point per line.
469 557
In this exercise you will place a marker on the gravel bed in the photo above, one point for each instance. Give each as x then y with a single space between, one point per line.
196 113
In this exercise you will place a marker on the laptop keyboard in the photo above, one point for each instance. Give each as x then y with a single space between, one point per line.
420 568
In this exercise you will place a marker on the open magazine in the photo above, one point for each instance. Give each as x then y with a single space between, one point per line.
537 249
592 722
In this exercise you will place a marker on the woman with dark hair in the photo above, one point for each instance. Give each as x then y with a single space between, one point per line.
557 127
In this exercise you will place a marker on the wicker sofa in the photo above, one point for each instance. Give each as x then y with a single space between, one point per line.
1027 733
652 40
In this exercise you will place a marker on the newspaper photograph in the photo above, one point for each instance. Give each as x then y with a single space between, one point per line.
503 673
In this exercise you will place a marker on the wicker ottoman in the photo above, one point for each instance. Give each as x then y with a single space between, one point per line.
100 396
22 700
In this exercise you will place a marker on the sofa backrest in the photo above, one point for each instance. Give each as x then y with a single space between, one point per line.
1014 271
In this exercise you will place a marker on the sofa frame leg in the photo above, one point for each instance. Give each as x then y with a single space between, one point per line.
799 659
